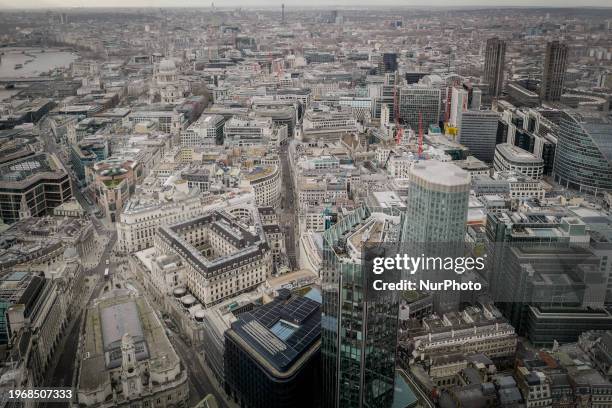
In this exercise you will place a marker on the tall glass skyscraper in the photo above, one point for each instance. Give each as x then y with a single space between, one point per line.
436 216
437 206
358 325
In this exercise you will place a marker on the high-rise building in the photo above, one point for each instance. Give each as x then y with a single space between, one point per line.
358 325
495 55
418 99
584 154
436 216
436 210
553 72
333 16
389 60
478 132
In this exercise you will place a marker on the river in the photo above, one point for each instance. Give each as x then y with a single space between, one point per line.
34 61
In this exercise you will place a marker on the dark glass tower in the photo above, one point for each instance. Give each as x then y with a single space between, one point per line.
358 325
495 55
389 60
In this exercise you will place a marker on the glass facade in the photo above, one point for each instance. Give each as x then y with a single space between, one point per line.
583 155
358 327
435 216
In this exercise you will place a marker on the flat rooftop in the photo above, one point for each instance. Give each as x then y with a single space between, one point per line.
113 315
279 333
26 167
440 174
512 152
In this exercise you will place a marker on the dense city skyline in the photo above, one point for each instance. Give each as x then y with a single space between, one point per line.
257 204
50 4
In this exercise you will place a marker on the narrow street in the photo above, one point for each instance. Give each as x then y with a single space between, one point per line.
198 377
288 217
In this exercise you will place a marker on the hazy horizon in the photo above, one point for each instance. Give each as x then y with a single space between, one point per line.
49 4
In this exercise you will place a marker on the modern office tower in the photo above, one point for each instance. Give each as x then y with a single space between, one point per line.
436 216
478 132
538 288
553 72
415 99
436 210
495 55
245 131
32 186
358 325
281 112
271 355
283 13
584 154
389 62
547 272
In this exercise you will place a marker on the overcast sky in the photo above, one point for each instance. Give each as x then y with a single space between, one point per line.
295 3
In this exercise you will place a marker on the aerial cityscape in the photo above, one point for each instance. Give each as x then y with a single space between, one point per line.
305 206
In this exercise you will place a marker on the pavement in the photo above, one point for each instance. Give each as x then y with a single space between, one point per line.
199 376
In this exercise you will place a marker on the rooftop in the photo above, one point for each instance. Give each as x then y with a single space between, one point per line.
279 333
512 152
30 166
111 316
440 174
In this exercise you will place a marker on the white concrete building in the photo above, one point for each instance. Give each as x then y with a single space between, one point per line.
266 182
223 258
140 218
513 158
203 132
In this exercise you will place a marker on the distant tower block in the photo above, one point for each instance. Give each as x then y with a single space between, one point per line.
283 13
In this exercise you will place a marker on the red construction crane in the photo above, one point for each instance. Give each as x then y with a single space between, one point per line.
420 135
